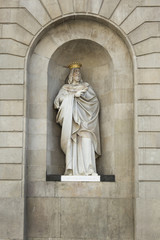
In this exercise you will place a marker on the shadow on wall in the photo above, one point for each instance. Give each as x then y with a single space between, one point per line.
97 70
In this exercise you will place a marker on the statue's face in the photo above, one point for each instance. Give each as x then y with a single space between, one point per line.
76 75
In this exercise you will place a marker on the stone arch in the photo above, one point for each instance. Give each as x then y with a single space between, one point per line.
122 99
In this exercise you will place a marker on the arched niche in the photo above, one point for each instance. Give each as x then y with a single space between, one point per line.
107 66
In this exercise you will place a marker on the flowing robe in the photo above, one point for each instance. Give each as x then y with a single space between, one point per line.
80 138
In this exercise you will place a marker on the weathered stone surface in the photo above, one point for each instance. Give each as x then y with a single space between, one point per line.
149 139
148 75
16 32
140 15
10 189
120 219
123 126
11 108
10 92
10 171
124 111
147 220
39 63
36 173
151 45
20 16
149 190
11 221
10 139
93 190
38 95
94 6
149 156
37 126
11 76
41 189
108 8
8 3
10 155
37 141
45 48
43 217
80 189
150 3
149 107
149 173
9 61
78 214
141 33
149 123
52 7
149 61
11 123
36 9
123 95
79 29
148 92
37 111
80 6
124 8
10 46
36 158
58 37
66 6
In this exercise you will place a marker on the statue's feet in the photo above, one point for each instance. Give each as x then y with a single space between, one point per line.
91 172
94 174
69 172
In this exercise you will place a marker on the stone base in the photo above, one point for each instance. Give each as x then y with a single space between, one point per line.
65 178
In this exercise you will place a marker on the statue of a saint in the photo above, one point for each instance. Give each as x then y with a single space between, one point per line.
78 110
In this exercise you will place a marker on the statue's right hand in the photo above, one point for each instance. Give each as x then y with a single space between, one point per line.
77 94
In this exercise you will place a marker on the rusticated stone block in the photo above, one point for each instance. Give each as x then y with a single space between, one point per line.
11 220
16 32
10 189
52 7
66 6
10 155
11 76
149 156
147 219
10 171
11 92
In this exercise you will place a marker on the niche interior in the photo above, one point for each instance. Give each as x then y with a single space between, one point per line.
107 67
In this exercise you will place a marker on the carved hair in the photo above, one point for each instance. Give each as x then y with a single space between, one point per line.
70 77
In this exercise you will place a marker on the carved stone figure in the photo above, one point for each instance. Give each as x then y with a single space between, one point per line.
78 110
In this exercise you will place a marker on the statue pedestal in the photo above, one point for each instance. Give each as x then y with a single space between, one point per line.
65 178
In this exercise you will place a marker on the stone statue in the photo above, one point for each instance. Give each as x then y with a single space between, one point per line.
78 110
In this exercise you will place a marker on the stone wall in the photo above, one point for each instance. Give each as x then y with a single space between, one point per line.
54 208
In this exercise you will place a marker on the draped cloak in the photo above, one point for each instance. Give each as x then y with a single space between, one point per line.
80 137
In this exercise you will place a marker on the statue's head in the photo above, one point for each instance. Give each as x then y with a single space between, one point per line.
75 73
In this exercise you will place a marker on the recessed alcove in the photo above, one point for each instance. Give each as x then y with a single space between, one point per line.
107 67
97 70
